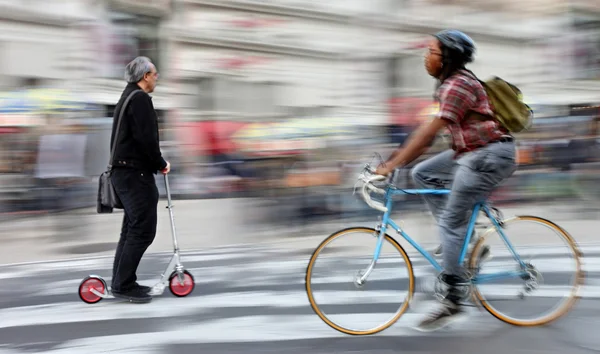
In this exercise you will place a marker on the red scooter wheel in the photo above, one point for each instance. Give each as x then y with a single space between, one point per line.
178 289
85 289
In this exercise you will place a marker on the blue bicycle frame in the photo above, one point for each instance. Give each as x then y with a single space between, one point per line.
391 191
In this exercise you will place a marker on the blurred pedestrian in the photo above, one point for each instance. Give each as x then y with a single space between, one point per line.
137 158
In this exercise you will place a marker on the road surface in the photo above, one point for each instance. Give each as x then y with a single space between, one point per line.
251 299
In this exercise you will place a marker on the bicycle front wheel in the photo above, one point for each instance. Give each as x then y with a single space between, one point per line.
335 287
541 289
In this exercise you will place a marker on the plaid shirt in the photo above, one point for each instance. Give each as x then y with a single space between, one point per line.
459 95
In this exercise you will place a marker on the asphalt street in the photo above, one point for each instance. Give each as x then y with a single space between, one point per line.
251 299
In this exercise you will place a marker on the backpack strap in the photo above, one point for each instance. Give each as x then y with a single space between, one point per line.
474 77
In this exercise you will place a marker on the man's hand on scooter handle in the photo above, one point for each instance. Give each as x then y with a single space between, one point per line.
167 169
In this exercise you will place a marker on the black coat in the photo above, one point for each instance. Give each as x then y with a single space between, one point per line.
138 142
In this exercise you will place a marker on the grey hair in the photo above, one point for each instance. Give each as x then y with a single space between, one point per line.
137 68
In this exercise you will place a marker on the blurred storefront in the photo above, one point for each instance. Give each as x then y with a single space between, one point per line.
39 140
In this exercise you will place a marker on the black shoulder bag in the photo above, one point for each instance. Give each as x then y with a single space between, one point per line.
107 197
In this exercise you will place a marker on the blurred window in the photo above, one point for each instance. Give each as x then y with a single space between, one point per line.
231 94
586 47
406 75
132 35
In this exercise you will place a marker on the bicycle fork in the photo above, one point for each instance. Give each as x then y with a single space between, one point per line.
361 277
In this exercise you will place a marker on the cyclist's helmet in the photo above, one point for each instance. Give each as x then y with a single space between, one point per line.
457 42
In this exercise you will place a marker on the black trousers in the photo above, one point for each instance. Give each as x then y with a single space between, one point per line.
139 195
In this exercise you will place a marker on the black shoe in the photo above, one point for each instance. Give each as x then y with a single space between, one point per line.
144 288
442 317
136 295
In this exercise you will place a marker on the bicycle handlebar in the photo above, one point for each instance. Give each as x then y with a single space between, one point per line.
368 176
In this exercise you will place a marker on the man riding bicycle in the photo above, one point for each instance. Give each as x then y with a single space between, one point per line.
482 155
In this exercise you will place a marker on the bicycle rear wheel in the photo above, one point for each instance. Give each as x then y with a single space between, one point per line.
548 259
336 296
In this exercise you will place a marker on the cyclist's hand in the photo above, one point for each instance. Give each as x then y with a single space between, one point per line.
382 170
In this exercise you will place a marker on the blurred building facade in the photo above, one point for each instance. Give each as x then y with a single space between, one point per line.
38 43
278 59
80 45
282 58
272 60
120 31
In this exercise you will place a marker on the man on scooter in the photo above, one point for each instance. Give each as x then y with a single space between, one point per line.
137 158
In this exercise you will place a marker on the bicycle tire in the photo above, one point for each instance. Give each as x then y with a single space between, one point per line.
552 316
315 306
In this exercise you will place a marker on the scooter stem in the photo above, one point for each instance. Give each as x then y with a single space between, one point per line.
170 207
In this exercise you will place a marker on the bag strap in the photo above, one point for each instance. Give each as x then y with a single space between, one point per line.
119 120
473 76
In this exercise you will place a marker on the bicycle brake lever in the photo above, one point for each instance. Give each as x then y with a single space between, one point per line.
360 179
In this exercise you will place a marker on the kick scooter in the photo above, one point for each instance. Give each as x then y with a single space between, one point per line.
93 288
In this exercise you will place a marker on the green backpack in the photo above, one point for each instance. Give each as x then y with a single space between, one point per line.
508 105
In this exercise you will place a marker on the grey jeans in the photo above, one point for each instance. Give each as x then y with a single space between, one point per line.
471 178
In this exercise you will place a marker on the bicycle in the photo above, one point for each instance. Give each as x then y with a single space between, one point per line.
525 271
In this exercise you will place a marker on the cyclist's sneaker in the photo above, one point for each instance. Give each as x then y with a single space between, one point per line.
438 251
450 310
448 313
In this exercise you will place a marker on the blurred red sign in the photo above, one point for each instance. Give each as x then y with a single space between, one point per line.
216 137
255 22
9 130
19 120
407 111
240 62
210 137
